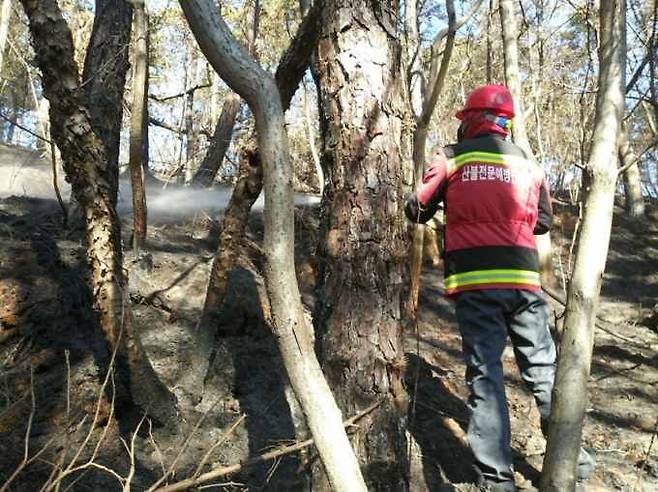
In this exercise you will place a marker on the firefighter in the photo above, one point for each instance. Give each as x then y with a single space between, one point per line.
495 201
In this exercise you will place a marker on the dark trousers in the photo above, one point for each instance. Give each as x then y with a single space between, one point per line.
486 318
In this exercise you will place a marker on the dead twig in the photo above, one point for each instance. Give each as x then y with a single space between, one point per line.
222 471
638 481
618 371
172 467
221 441
26 451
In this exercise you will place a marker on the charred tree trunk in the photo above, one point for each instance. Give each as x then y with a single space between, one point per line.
86 165
246 192
291 327
137 127
234 224
221 139
104 77
363 246
569 395
634 201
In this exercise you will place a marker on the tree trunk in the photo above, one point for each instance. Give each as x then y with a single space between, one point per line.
569 397
191 141
137 127
310 131
245 193
292 328
104 77
363 246
509 26
86 164
221 139
5 14
634 201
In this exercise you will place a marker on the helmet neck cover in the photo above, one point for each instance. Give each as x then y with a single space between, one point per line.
476 123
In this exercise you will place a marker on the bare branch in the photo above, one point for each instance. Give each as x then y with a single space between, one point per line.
437 75
189 91
222 471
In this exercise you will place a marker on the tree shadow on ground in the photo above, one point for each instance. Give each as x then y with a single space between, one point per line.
247 350
436 421
61 350
619 353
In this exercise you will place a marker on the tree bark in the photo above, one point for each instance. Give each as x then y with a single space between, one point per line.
221 140
104 77
292 328
137 127
634 201
569 397
86 166
362 250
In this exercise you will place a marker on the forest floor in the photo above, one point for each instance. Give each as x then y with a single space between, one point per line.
51 413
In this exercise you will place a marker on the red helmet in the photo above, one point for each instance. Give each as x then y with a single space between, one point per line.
493 97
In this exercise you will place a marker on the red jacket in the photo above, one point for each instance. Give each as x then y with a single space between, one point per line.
495 201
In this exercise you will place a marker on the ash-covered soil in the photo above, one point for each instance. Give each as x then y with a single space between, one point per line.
51 413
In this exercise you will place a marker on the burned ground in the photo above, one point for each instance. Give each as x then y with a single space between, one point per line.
50 381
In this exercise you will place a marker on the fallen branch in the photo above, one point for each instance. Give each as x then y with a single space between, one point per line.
559 298
638 481
222 471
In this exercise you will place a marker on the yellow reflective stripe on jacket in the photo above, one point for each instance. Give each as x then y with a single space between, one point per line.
491 158
506 276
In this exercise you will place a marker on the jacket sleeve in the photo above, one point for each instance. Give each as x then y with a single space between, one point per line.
545 210
422 205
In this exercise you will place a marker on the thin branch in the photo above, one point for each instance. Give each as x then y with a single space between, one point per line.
436 42
172 467
639 156
27 130
26 451
189 91
222 471
221 441
437 75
